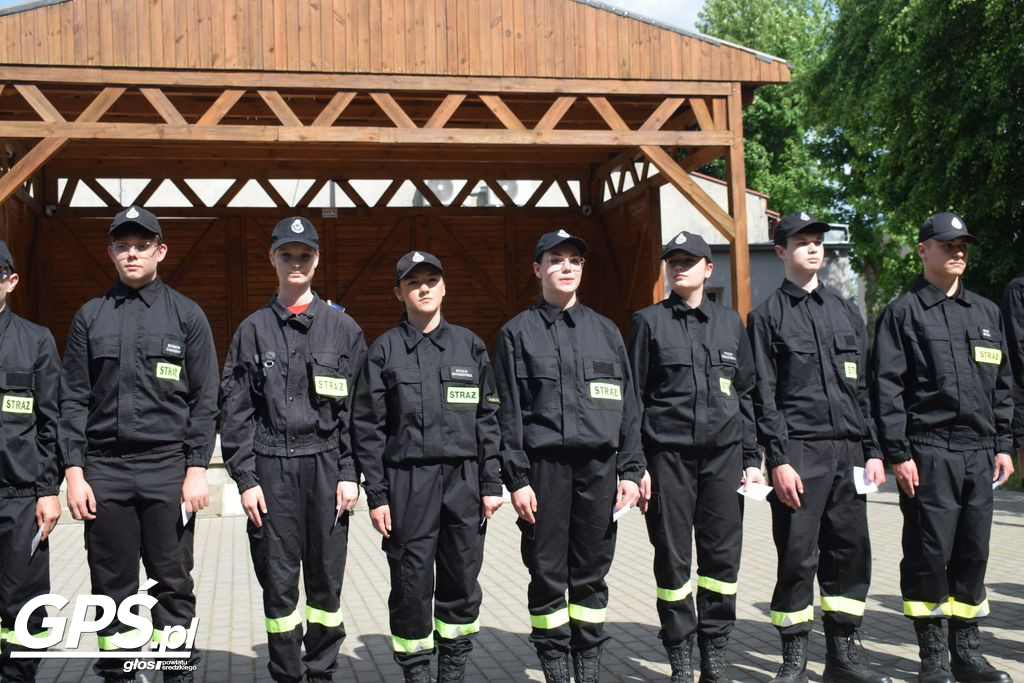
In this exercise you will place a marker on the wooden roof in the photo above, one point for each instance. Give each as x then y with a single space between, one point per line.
499 38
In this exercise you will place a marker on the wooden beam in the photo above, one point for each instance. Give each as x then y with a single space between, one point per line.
187 191
444 111
101 192
690 189
39 102
392 109
427 193
352 193
163 106
459 199
272 192
555 113
497 189
221 106
739 250
567 192
502 112
311 193
339 101
663 113
608 113
539 192
389 193
702 114
280 108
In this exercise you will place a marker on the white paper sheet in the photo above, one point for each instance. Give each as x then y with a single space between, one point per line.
755 491
860 480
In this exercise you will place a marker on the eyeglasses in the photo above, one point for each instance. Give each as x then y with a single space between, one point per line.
575 262
141 248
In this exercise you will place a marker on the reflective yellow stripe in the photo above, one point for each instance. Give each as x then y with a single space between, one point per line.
283 624
453 631
8 635
793 618
323 617
414 645
675 594
917 608
587 614
105 642
963 610
549 621
837 603
716 586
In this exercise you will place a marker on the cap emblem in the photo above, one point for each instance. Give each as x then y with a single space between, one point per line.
957 223
417 257
804 216
132 213
680 238
297 226
563 233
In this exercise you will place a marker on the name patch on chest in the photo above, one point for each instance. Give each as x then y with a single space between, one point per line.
462 394
983 354
462 374
168 371
172 349
18 404
335 387
727 356
850 369
606 391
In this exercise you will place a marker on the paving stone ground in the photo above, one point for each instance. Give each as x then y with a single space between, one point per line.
234 643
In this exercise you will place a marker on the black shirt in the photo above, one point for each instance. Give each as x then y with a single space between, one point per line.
695 372
139 374
29 376
286 385
1013 324
565 382
941 373
425 398
810 357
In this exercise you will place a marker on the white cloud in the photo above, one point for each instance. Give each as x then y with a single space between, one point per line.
681 13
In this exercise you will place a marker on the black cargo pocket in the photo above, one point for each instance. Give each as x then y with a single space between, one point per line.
538 382
461 387
847 356
603 383
403 391
797 360
166 359
17 397
723 371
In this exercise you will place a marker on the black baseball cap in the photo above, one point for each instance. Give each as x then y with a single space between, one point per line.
136 217
944 227
690 243
6 260
801 221
413 259
550 240
294 229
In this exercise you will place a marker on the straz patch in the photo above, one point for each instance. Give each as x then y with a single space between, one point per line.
725 384
850 370
983 354
18 404
168 371
462 394
604 390
336 387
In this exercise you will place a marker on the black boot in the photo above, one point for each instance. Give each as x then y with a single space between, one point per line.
932 650
417 673
680 656
794 660
451 667
555 665
845 659
587 664
712 658
967 662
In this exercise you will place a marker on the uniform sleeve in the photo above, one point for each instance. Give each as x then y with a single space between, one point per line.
488 434
772 431
74 396
369 421
630 461
743 384
1002 403
201 357
238 413
888 369
869 440
515 466
347 470
638 351
1013 326
47 381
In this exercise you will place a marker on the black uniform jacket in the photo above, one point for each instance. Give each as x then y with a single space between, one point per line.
29 376
810 360
1013 322
139 374
941 373
286 385
565 382
425 398
695 374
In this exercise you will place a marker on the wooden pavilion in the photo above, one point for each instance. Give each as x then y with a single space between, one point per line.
598 107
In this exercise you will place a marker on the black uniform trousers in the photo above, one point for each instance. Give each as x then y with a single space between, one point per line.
695 491
138 514
827 534
946 531
22 577
301 494
570 547
435 523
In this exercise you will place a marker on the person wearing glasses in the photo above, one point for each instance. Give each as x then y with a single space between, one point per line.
30 472
695 374
426 439
570 455
138 404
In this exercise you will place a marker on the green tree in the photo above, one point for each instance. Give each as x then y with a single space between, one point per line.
920 109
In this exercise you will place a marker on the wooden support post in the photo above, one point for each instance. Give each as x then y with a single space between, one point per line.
682 181
739 251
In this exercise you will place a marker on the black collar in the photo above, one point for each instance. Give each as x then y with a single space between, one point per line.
147 293
304 319
550 312
794 291
680 308
931 295
412 336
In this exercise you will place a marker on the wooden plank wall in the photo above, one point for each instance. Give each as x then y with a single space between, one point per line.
512 38
17 224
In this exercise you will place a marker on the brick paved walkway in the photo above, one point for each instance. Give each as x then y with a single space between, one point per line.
234 643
